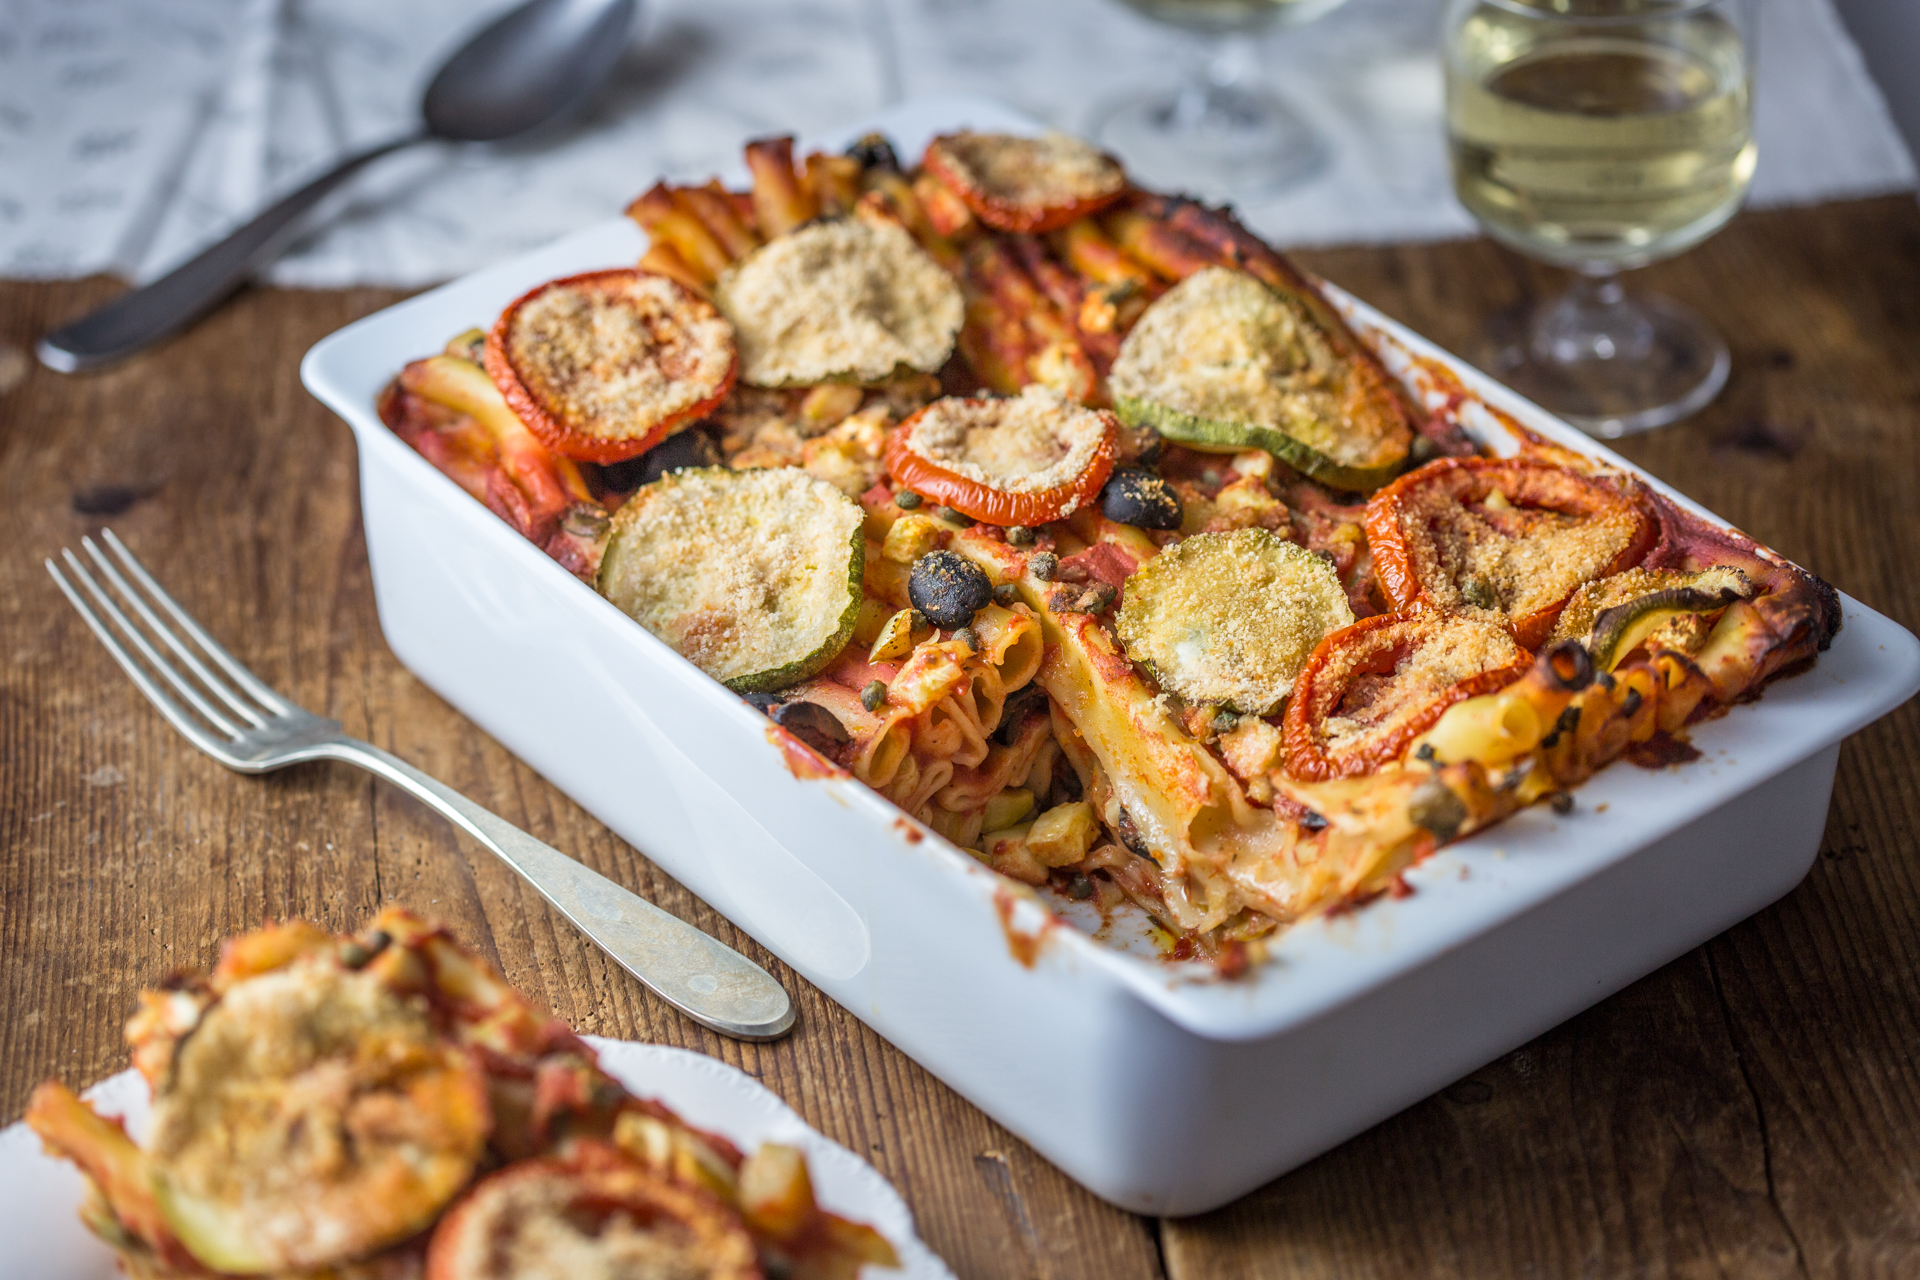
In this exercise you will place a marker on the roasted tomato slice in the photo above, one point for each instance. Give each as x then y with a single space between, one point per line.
1025 184
1514 537
1024 460
1370 689
603 366
595 1212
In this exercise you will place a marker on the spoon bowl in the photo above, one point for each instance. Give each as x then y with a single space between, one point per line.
506 81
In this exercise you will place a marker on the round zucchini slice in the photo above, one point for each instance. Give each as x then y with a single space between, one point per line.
313 1116
1223 362
1229 619
753 576
847 300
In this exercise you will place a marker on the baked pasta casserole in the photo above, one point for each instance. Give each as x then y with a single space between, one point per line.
1074 520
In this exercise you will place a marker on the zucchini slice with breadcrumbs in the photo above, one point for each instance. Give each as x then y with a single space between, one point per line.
1222 361
1230 619
752 576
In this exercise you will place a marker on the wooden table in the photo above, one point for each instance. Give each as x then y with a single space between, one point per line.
1753 1109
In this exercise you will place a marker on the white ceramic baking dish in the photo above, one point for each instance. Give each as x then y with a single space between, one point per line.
1160 1090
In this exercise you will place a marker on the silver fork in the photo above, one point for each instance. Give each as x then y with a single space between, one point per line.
245 725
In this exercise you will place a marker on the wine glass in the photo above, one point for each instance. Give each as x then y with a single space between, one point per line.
1218 134
1602 135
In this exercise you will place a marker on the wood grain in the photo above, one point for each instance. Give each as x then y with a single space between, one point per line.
1750 1110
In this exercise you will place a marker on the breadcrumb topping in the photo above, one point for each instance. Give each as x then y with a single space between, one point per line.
1032 173
1496 555
1030 443
1231 618
848 299
1435 654
742 572
1223 347
612 357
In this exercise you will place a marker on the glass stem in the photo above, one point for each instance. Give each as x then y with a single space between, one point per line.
1593 320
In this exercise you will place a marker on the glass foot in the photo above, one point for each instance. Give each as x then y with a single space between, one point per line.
1613 365
1211 140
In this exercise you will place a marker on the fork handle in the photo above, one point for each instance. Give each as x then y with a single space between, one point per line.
701 976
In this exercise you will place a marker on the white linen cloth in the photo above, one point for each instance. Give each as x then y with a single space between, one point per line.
132 133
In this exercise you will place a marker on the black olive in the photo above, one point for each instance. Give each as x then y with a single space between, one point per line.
764 703
813 724
948 588
1013 713
875 151
1313 821
1139 497
689 448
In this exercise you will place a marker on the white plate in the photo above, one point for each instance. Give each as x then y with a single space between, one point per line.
1160 1091
41 1237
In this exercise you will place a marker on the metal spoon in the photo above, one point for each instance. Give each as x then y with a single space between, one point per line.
525 69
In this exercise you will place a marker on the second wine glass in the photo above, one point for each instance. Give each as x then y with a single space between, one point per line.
1219 133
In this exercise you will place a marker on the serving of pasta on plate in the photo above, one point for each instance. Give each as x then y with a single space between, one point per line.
1075 521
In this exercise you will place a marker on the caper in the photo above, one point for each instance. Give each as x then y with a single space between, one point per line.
1478 592
1044 565
1139 497
874 696
584 520
968 637
952 516
1005 594
1021 536
1079 887
1224 721
907 500
1562 802
948 588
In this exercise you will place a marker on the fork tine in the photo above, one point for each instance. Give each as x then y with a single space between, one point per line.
213 683
147 651
167 707
253 684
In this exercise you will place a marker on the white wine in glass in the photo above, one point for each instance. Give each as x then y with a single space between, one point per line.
1602 135
1218 134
